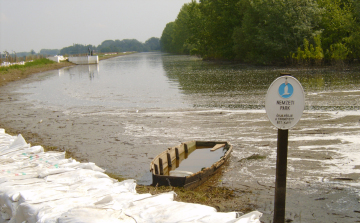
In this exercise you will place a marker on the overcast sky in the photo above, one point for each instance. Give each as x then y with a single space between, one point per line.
54 24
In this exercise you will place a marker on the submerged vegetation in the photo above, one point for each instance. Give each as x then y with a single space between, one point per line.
300 32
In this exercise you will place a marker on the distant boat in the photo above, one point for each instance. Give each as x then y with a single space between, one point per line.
189 164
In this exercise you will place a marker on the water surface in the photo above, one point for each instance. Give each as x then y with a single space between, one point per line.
153 80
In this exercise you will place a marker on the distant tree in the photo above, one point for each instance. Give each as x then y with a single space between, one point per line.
32 52
166 39
132 45
107 46
105 50
49 51
121 46
153 44
76 49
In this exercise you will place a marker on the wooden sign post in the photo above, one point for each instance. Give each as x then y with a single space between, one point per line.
284 106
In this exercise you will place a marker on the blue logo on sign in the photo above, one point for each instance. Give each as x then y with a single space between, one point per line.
286 90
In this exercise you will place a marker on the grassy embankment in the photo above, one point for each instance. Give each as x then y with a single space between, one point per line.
17 72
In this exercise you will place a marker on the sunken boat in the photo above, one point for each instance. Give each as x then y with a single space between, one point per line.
189 164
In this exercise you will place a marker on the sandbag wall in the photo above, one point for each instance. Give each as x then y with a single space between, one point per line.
38 186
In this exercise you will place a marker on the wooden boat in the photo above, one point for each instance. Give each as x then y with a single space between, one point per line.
189 164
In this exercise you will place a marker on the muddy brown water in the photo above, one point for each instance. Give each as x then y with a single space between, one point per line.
123 112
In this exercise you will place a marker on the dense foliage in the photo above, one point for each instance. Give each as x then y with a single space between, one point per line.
267 31
51 52
112 46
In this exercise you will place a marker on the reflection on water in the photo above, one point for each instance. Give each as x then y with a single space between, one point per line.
90 70
154 80
133 81
239 86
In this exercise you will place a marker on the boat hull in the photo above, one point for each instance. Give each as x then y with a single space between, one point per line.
164 162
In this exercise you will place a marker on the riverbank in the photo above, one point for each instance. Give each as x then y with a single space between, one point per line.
69 188
24 72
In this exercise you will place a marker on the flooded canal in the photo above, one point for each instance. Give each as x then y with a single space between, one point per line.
123 112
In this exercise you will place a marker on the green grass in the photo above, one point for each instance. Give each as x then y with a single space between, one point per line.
37 62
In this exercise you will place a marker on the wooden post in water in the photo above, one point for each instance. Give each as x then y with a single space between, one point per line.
186 150
281 169
177 153
169 160
156 169
161 166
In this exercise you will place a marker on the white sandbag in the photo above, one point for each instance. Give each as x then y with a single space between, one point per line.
92 183
18 144
9 197
91 166
93 215
15 165
69 178
26 153
51 210
4 214
120 201
127 185
71 164
218 217
70 191
102 192
35 150
25 182
252 217
48 194
47 172
163 209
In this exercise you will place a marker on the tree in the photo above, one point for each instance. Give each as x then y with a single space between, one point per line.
153 44
49 51
167 38
272 30
337 23
219 19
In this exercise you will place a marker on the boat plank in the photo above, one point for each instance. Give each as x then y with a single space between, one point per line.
217 146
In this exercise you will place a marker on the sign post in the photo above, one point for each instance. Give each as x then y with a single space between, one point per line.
284 105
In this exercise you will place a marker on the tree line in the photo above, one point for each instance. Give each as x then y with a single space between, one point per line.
107 46
301 32
112 46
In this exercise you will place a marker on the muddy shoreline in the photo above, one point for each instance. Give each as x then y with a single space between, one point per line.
125 141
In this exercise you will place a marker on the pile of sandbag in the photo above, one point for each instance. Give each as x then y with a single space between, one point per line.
38 186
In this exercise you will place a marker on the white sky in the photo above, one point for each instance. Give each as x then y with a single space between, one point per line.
54 24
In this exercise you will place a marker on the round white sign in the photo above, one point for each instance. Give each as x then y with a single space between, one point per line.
284 102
